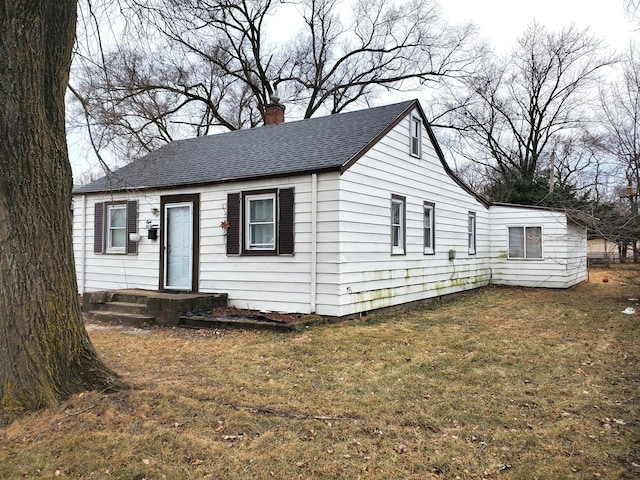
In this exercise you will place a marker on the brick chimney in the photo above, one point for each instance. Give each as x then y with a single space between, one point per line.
274 112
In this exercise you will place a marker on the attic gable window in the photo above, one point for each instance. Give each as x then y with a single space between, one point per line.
113 222
416 137
525 242
260 222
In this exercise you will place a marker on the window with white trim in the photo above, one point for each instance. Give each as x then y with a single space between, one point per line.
416 137
525 242
471 232
116 228
260 218
398 225
429 228
260 222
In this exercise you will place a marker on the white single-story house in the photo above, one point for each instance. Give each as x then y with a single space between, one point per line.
333 215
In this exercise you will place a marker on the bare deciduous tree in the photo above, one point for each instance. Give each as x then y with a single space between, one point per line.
510 114
620 114
632 7
203 64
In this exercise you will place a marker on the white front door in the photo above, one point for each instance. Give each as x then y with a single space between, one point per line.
178 245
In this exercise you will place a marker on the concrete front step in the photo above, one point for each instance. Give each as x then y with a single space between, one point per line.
121 318
126 307
162 308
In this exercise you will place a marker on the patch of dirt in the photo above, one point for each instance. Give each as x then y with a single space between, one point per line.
125 329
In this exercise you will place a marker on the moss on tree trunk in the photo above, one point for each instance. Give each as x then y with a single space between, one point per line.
45 352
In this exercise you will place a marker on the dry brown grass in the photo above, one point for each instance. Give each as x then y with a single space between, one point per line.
500 383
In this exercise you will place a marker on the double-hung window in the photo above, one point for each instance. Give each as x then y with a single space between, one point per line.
398 225
416 137
113 224
116 228
260 222
471 232
429 228
525 242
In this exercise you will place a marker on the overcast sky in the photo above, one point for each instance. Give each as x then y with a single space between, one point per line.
502 21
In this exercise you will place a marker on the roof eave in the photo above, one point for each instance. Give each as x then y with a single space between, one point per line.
212 182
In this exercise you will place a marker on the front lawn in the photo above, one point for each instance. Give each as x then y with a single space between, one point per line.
501 383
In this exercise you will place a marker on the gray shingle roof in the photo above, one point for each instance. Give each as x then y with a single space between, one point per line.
305 146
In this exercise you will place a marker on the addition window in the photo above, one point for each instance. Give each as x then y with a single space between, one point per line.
416 137
471 232
398 225
113 222
525 242
260 222
429 228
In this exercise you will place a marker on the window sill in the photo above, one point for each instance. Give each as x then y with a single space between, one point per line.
260 253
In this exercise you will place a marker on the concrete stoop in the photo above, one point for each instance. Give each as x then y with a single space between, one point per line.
142 308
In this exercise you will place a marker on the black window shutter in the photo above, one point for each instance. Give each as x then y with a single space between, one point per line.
98 228
132 226
286 224
233 218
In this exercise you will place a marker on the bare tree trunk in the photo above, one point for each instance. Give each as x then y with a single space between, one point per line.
622 248
45 352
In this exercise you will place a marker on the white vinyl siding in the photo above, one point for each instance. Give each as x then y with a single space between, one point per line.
369 277
562 247
102 272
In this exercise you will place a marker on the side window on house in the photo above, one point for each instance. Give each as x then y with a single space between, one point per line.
525 242
398 225
261 222
113 222
471 222
429 228
416 137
